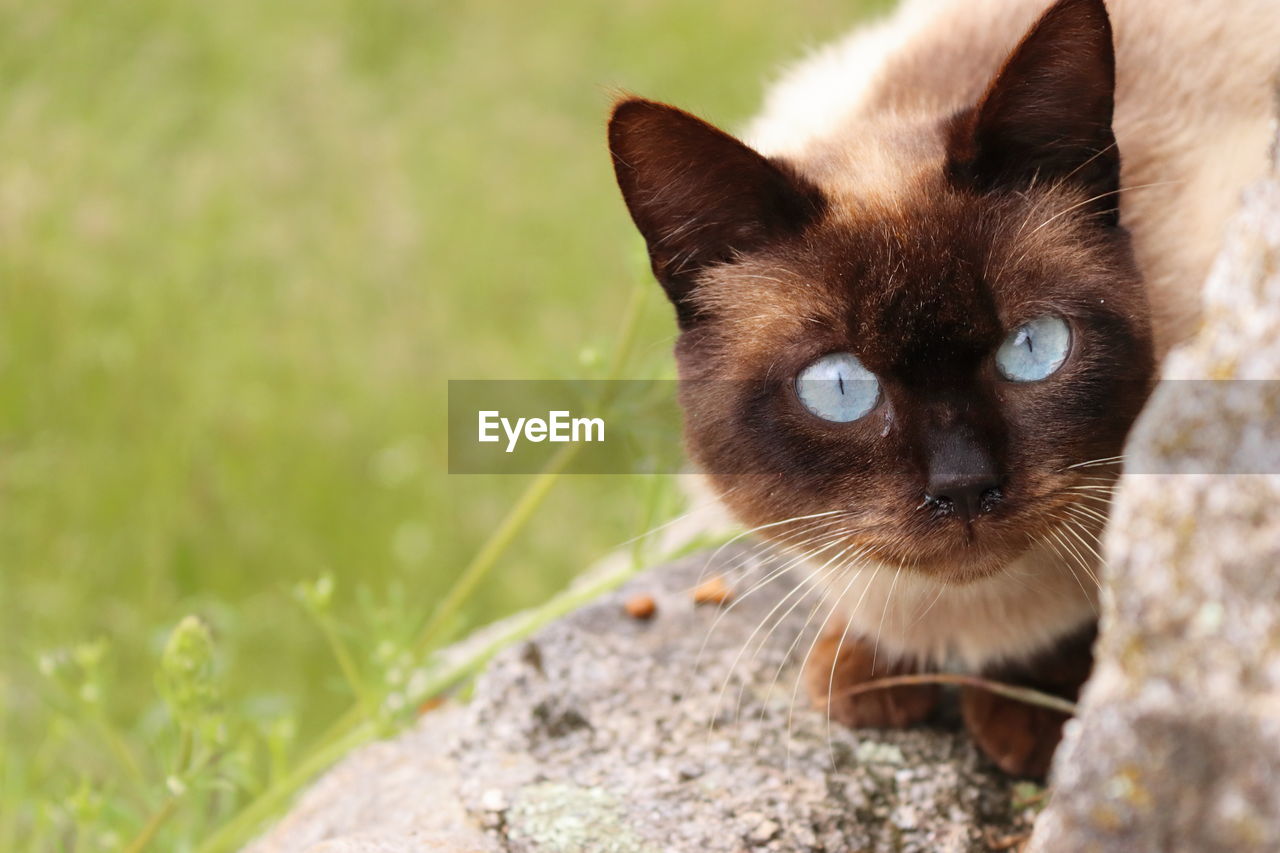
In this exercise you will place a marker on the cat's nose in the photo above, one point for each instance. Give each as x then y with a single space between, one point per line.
966 497
962 478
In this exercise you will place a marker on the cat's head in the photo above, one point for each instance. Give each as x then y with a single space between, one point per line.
925 342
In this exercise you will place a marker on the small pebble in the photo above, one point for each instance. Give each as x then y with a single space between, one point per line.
689 772
764 832
641 607
493 800
713 591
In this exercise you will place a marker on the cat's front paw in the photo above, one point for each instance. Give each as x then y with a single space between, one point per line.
1021 738
1018 737
834 667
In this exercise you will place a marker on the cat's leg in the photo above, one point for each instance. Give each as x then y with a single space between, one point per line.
835 665
1018 737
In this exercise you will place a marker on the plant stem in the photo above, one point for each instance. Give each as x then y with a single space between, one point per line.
185 745
494 548
347 664
121 749
488 555
1025 695
157 820
238 830
170 804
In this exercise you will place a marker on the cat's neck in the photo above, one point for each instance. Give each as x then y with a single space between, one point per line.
1009 617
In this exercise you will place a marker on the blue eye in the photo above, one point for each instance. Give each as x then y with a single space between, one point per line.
838 388
1035 350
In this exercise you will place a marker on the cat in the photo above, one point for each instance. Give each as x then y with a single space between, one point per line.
925 301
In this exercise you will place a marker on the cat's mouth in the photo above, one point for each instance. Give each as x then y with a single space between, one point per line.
962 551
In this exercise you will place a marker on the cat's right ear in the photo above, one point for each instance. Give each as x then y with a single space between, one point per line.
699 196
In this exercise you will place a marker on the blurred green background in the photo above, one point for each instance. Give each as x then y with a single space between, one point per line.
243 245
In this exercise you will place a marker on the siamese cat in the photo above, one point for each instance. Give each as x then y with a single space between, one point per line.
924 301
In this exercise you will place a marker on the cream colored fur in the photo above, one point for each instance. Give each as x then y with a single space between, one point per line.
1193 117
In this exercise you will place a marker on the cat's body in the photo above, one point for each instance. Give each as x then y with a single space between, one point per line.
919 315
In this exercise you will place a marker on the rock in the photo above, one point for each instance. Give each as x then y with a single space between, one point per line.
1178 744
391 797
597 735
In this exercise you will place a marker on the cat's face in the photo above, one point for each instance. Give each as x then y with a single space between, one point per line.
926 359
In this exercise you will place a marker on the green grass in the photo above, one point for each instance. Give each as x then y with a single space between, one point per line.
243 245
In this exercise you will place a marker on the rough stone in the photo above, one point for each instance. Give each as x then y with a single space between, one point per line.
1177 747
684 732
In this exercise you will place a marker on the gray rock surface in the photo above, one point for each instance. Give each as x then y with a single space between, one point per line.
1178 744
598 735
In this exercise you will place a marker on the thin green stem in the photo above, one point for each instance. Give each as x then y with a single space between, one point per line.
237 831
158 818
494 548
186 744
148 833
351 730
629 329
121 749
347 664
529 502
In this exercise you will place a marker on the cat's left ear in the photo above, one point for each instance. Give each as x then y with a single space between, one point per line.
1047 116
699 196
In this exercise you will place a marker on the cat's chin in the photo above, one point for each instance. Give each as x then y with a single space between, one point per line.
963 561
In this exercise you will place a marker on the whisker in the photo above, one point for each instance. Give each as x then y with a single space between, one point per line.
827 540
751 639
835 657
1081 561
941 589
800 634
822 575
1103 502
1099 197
1067 564
1089 511
860 560
880 629
800 538
1095 463
701 505
1036 207
1076 529
715 554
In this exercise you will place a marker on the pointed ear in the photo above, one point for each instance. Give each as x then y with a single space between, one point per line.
698 195
1047 116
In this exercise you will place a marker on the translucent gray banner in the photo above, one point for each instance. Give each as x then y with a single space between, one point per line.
636 427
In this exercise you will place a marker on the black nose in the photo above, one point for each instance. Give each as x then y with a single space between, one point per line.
966 497
962 478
